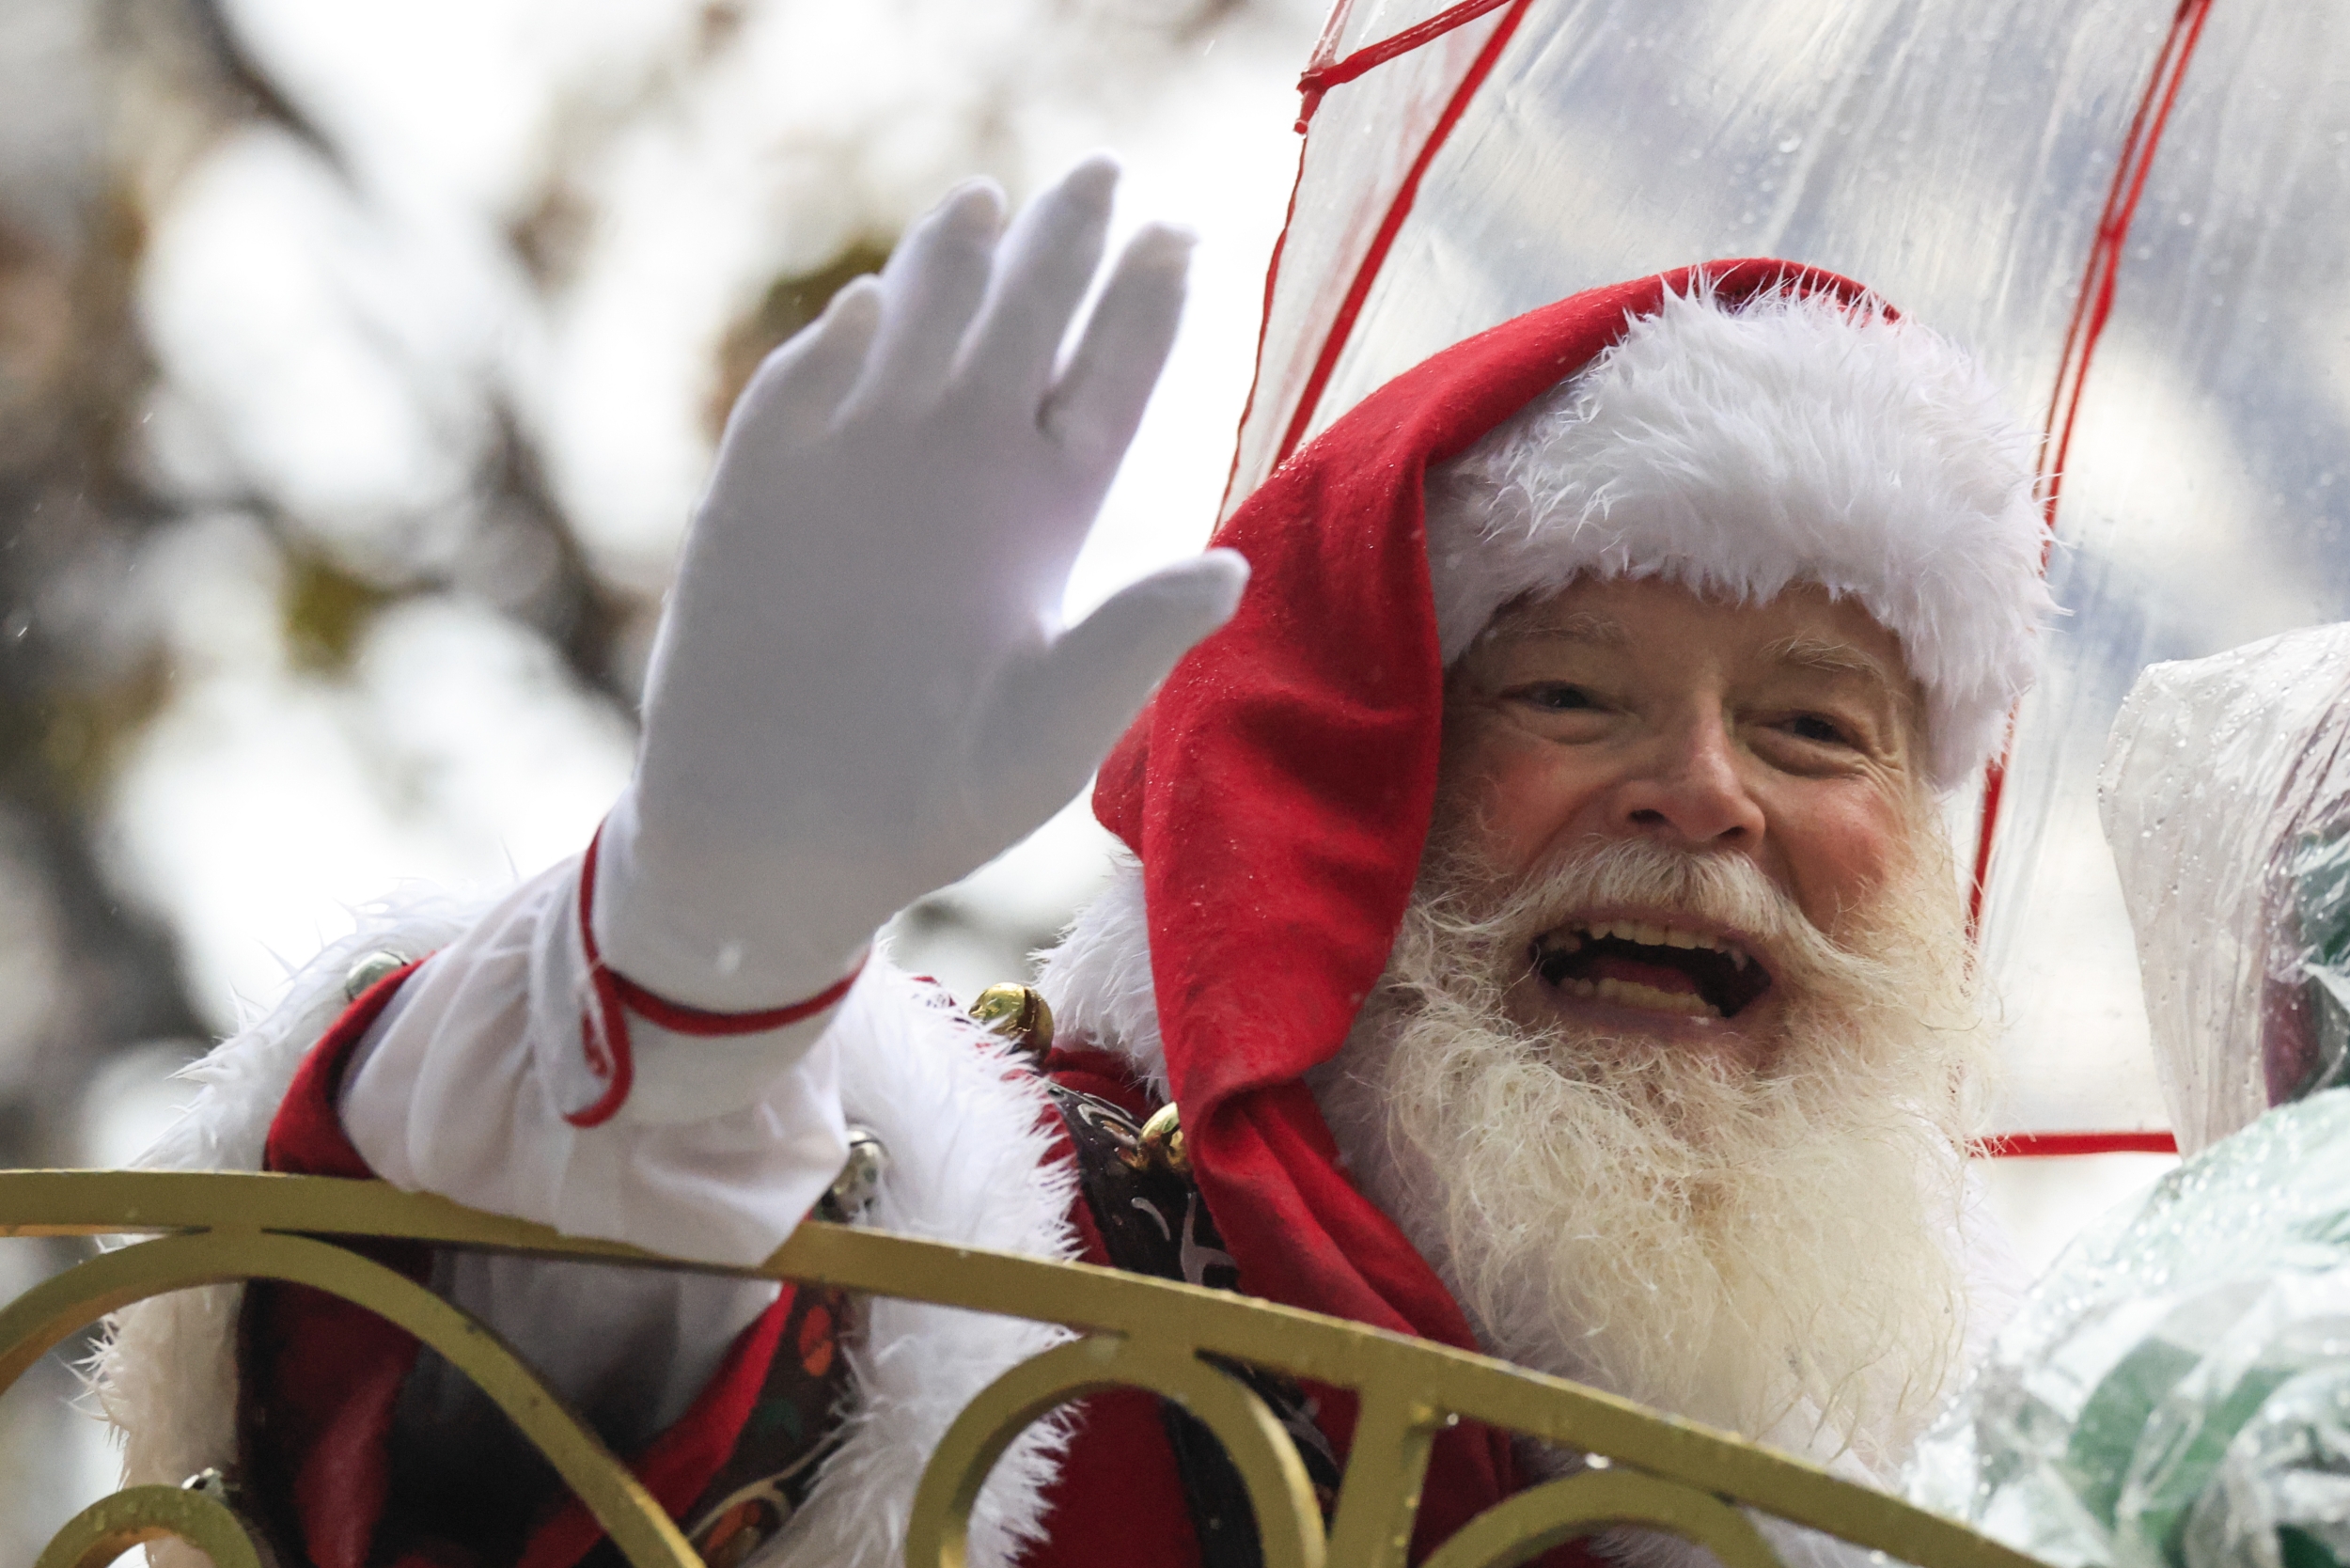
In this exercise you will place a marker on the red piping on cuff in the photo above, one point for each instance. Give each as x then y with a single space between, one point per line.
604 1031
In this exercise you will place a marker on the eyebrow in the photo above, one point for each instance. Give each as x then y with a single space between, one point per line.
1582 626
1836 658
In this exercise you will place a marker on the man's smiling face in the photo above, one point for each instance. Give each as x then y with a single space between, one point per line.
1784 734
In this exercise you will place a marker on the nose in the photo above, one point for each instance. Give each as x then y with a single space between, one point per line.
1689 790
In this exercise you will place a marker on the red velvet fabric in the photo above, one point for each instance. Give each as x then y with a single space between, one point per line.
323 1376
1278 791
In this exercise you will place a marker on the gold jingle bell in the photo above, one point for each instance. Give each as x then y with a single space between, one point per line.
1162 1141
1019 1015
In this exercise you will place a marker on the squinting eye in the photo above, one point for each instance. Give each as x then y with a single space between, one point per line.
1556 700
1810 726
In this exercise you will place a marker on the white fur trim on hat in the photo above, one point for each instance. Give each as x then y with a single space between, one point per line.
1796 439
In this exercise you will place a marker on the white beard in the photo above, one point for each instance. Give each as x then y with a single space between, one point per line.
1770 1250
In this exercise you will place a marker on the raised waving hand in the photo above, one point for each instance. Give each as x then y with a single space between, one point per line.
858 691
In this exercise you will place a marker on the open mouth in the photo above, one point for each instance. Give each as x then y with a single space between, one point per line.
1643 965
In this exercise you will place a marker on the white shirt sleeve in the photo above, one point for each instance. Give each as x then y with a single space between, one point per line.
720 1149
722 1146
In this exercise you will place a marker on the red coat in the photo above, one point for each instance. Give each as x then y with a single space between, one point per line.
321 1379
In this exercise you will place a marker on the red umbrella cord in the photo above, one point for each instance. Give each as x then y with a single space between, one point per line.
2041 1146
2092 308
1318 80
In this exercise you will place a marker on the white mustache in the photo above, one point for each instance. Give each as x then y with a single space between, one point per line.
1503 918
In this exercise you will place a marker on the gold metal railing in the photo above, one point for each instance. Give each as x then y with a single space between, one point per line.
1660 1473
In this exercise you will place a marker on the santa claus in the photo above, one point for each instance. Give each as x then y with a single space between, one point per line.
1539 918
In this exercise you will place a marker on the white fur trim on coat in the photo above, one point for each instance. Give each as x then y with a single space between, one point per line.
164 1374
1098 982
970 1141
970 1137
1735 452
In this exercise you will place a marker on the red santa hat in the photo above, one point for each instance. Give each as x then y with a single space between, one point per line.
1735 427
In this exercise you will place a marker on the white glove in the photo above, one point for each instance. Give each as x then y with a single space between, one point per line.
858 691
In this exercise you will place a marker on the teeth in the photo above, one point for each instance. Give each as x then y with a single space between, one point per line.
1649 936
1630 993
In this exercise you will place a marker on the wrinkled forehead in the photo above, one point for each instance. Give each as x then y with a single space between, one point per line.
1802 627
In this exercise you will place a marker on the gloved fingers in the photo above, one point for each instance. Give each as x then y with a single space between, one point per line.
1043 269
930 289
796 389
1094 410
1053 716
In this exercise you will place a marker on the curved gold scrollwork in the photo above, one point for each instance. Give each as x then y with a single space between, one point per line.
112 1525
1557 1511
1153 1334
43 1317
1289 1521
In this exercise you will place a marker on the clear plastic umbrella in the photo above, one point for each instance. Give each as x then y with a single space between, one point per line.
2137 216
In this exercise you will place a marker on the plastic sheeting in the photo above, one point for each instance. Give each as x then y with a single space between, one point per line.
2177 1390
1957 157
2207 498
2227 801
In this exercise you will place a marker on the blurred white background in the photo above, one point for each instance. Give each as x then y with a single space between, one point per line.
359 366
